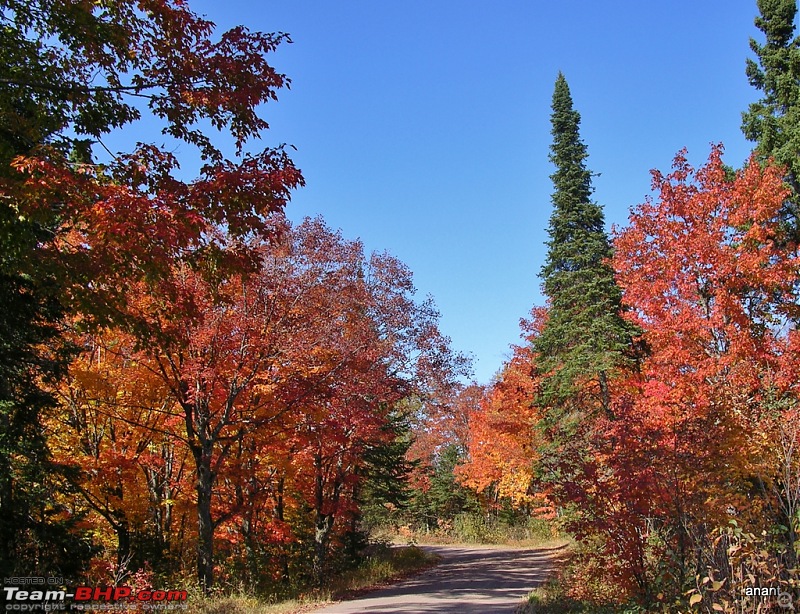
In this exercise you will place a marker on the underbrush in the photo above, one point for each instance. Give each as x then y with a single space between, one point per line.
382 564
740 573
555 597
245 604
475 528
580 586
552 598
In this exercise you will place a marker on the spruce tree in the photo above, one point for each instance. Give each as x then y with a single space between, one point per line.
585 339
773 122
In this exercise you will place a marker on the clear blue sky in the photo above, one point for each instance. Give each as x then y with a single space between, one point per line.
423 128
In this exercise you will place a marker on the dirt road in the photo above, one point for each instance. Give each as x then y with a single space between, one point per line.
469 580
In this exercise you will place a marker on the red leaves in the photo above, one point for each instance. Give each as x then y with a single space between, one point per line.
133 218
276 382
706 273
702 269
711 279
242 196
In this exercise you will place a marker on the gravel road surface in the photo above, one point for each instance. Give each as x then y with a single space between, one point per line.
468 580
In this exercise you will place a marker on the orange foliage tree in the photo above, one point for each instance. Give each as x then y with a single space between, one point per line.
113 430
707 280
502 442
276 383
80 224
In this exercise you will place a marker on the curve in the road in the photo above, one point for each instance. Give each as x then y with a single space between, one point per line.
469 580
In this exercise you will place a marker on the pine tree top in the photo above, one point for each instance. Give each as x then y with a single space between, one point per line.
568 152
774 121
585 337
577 225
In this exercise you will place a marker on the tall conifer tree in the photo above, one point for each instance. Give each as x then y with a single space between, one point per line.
773 122
585 338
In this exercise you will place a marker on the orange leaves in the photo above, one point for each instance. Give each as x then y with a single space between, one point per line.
111 432
272 385
502 443
703 271
706 273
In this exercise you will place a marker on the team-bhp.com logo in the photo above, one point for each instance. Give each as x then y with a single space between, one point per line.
47 595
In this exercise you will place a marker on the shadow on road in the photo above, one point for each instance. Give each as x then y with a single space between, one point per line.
469 579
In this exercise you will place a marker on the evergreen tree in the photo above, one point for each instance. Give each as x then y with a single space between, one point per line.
37 523
584 338
385 490
37 536
773 122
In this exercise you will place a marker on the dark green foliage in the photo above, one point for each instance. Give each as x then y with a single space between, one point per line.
445 498
385 490
35 527
584 339
46 87
382 494
773 122
448 497
35 522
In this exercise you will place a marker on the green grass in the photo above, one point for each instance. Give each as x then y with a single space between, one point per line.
472 528
385 564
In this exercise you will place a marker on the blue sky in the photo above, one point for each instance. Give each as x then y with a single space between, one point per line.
423 128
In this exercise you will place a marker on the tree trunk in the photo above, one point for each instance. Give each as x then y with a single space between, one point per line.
322 529
605 395
322 523
123 547
205 525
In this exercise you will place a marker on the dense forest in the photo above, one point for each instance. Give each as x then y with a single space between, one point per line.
192 387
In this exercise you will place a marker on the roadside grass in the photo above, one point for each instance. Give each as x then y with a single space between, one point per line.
471 528
385 564
558 594
245 604
550 598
